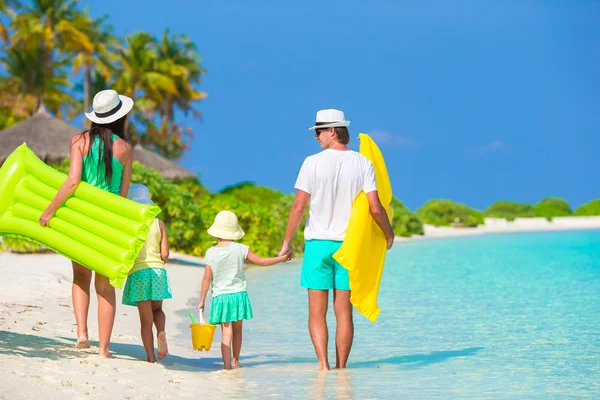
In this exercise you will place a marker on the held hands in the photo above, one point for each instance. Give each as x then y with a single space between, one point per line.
286 250
46 217
285 256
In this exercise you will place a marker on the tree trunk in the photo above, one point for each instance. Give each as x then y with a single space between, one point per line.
87 81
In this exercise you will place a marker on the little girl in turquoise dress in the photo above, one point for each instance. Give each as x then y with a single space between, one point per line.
224 272
147 284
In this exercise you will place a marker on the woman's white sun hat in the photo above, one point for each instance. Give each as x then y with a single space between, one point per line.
226 227
329 119
140 194
108 106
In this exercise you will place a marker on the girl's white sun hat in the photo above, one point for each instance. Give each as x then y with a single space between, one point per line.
226 226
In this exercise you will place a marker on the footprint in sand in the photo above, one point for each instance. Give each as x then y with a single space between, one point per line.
97 373
123 370
96 365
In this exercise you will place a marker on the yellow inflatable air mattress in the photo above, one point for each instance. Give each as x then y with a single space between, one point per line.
97 229
364 248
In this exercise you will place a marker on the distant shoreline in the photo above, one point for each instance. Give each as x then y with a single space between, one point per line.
501 225
491 225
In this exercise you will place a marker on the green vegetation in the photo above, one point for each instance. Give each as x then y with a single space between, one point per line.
589 209
449 213
509 210
405 223
551 207
16 245
54 53
189 210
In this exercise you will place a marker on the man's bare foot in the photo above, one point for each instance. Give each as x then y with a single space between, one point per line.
163 350
105 353
324 367
82 343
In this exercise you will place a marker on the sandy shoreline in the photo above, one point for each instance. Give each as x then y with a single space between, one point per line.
498 225
37 334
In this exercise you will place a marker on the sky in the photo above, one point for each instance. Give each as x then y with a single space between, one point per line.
474 101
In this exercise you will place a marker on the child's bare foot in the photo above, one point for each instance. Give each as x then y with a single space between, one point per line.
105 353
82 343
163 350
235 363
151 360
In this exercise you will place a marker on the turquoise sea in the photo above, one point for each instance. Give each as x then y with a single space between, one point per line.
496 316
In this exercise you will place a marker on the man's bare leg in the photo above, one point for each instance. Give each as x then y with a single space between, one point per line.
344 335
317 324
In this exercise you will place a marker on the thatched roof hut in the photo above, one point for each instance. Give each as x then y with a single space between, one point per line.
50 137
166 168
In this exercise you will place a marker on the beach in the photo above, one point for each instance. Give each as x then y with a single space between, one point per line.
501 225
37 331
37 337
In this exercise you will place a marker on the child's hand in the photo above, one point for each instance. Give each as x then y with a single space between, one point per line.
200 305
286 256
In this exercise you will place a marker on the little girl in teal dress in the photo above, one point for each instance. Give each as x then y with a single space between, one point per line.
147 284
224 272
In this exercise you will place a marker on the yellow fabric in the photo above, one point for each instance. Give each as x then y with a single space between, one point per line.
149 256
364 248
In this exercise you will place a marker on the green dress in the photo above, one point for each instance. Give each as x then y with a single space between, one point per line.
148 278
93 171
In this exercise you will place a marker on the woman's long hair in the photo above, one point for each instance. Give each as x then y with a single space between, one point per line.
105 149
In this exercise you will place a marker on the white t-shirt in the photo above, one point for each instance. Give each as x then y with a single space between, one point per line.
333 178
227 265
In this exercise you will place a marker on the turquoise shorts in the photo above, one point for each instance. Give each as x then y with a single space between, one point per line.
319 270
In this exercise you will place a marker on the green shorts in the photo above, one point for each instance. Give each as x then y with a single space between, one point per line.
319 270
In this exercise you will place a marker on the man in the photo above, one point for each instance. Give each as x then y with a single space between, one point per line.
328 183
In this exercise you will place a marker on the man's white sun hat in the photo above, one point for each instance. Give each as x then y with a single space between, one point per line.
329 119
108 106
226 226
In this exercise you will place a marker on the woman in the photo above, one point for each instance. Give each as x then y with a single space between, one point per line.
101 157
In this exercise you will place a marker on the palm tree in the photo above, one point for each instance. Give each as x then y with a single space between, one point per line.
45 30
27 78
178 59
5 10
100 58
141 79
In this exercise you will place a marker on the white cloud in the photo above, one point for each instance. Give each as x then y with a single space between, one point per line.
495 146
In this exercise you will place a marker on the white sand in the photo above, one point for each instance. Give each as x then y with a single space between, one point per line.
37 331
498 225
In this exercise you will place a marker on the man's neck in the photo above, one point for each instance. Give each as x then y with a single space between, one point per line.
338 146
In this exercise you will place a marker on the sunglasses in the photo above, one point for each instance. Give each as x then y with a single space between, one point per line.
319 131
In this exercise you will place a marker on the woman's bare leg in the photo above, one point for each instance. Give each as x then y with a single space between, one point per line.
80 292
106 313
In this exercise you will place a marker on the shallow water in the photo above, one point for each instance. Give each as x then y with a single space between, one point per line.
495 316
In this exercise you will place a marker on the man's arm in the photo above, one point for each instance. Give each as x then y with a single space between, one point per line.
296 214
381 217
